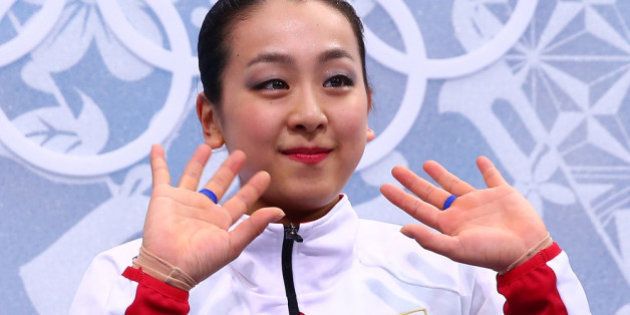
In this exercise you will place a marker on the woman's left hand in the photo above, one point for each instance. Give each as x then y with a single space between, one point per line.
490 227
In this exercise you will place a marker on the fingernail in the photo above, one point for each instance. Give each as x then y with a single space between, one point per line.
279 215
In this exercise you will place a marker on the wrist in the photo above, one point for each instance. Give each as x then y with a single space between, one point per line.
161 270
531 252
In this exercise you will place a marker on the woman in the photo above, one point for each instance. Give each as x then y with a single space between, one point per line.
285 86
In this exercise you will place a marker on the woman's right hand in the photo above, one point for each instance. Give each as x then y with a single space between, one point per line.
186 229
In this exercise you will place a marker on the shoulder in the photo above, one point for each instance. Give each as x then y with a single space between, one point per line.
107 266
381 246
117 258
102 286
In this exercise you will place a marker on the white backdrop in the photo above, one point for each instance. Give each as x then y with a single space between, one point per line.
542 87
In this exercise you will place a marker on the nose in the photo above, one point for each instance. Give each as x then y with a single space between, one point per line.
307 115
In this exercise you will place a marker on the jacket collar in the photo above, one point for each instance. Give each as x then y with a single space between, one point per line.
318 262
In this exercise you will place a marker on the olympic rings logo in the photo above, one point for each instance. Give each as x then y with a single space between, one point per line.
179 60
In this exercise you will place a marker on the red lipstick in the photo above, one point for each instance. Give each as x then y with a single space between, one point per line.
307 155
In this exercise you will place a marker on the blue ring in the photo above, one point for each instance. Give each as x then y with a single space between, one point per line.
449 201
210 194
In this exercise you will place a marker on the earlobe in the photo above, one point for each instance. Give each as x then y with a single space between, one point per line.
210 124
370 134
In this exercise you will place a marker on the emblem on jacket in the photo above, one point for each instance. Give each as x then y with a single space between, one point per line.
419 311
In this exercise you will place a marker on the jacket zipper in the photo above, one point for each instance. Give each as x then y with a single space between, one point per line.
290 236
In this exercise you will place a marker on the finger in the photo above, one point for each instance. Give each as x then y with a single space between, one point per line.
446 179
491 174
221 180
419 186
194 168
439 243
159 168
415 207
249 229
247 195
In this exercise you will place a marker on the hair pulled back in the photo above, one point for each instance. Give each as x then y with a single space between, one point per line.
213 47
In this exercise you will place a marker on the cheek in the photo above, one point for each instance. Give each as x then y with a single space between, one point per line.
352 124
256 129
252 132
250 127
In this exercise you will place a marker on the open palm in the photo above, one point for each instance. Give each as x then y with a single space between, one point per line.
490 227
187 230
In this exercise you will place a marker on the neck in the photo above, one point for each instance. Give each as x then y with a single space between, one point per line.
297 215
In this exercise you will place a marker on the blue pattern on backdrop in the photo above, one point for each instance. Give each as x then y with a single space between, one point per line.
87 86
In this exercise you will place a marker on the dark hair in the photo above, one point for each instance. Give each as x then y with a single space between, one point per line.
213 50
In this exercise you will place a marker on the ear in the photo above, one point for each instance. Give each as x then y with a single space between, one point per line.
370 133
210 123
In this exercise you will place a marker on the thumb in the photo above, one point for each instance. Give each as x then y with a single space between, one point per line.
248 230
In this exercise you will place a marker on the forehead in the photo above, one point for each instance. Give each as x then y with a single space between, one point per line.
293 27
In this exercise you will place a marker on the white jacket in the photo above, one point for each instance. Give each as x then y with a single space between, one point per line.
345 265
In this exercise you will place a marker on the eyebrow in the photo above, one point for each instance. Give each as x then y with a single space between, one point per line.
328 55
272 58
334 53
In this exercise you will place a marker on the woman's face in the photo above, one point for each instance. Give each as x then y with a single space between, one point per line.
294 101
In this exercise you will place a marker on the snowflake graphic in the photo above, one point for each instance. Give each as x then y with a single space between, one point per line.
574 67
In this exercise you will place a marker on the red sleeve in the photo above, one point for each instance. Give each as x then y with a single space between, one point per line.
531 287
154 296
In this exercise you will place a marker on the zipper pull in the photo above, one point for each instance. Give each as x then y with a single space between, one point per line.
291 233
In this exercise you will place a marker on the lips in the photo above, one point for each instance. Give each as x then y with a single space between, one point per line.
307 155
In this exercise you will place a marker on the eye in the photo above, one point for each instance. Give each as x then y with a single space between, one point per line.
273 84
339 81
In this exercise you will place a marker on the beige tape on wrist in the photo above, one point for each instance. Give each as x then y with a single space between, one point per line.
544 243
162 270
